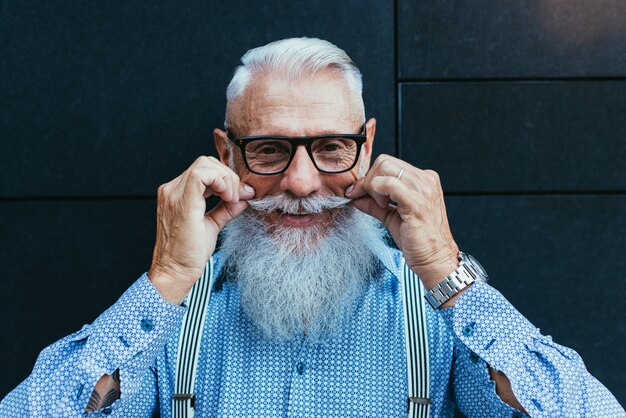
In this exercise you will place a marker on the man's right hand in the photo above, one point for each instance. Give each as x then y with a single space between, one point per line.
186 233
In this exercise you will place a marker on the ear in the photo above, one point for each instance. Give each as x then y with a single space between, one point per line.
368 146
221 143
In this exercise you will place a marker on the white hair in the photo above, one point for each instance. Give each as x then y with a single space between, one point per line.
296 58
301 280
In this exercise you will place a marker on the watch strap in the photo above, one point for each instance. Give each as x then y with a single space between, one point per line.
458 280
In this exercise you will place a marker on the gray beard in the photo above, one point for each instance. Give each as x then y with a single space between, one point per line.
296 281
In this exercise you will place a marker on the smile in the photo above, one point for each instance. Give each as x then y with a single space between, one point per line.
300 220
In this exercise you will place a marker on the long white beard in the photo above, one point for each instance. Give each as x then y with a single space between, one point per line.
301 280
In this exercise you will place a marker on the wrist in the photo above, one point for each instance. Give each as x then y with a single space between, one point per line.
445 293
434 265
172 290
433 274
436 274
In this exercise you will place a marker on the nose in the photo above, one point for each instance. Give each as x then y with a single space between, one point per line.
301 177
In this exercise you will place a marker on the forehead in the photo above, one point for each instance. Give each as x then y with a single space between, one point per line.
306 106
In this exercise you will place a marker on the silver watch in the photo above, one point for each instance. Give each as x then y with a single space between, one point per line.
468 272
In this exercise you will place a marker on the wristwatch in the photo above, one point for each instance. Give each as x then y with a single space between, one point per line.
468 272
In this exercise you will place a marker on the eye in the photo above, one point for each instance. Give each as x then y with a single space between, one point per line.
330 147
268 149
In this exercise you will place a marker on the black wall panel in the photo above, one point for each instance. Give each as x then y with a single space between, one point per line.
116 97
64 263
517 136
511 38
100 102
559 261
519 106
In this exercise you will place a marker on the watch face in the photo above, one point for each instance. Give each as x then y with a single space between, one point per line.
474 263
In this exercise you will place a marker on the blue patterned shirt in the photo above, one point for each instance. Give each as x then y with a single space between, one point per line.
361 373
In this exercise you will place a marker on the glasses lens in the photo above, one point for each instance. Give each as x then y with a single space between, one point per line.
268 155
334 154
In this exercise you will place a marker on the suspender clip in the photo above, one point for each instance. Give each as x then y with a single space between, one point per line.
420 401
185 397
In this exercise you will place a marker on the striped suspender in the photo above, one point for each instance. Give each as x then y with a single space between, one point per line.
417 359
416 336
184 401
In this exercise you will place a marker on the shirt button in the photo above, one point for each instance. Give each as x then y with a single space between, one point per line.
147 325
300 368
474 357
468 329
107 410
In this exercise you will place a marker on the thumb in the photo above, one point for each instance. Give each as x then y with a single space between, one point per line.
224 212
368 205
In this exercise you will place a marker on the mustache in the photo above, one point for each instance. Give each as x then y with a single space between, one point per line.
293 205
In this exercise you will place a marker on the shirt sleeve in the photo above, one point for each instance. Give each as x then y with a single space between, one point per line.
548 380
128 336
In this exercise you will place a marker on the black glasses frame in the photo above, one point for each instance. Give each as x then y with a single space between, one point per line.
241 142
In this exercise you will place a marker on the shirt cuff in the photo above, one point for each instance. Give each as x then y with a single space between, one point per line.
135 328
489 325
494 331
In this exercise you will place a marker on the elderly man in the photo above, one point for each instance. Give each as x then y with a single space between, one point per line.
305 315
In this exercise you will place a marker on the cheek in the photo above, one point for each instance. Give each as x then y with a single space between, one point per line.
338 183
263 185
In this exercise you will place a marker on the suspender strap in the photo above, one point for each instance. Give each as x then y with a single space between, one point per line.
416 336
183 401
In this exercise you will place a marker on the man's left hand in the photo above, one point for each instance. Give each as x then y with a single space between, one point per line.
409 201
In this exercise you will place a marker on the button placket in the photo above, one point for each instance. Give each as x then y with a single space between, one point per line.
300 367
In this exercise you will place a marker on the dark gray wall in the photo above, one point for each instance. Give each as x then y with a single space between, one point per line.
100 102
519 105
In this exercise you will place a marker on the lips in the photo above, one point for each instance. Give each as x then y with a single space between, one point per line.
300 220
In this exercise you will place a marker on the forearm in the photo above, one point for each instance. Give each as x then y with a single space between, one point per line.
495 343
122 344
431 277
106 392
504 389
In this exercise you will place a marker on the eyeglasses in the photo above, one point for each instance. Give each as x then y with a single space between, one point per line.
267 155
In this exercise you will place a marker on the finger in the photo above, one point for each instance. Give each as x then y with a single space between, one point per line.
246 191
381 199
372 187
384 165
230 178
215 180
362 188
368 205
205 181
393 189
356 190
223 213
